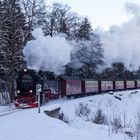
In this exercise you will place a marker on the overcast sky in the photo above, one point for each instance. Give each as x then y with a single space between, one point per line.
103 13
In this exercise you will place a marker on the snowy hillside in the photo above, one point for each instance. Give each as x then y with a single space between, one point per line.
100 117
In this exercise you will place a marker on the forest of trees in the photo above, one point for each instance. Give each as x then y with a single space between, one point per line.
18 18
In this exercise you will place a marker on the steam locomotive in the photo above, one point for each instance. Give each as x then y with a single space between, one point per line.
26 89
55 87
26 95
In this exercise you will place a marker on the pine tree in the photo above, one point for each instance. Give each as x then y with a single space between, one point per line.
3 37
13 30
84 30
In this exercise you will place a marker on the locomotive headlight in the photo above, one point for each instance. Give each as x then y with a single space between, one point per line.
31 91
18 91
25 70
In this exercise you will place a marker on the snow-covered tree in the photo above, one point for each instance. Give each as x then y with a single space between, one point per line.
3 45
83 32
12 39
60 20
35 13
3 38
117 71
87 58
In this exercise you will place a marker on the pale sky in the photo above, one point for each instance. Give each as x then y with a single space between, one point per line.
103 13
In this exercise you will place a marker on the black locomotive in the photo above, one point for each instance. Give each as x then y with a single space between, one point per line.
26 89
27 81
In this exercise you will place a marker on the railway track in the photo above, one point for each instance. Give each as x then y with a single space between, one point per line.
9 111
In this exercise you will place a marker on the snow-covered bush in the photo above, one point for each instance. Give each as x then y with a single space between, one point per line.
99 118
116 124
137 125
82 110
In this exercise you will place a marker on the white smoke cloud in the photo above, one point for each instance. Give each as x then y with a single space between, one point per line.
133 8
47 53
122 44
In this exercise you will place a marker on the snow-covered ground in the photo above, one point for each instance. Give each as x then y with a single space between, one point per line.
80 123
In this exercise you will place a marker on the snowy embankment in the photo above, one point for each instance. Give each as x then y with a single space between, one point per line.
29 125
80 117
106 116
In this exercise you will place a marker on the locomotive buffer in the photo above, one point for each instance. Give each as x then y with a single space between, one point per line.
38 90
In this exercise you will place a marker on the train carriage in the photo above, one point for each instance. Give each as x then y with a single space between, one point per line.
91 86
71 86
129 84
51 88
119 85
137 83
106 86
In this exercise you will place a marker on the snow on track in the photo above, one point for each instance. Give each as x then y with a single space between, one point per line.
7 111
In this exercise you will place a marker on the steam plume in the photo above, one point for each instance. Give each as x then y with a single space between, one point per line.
122 44
47 53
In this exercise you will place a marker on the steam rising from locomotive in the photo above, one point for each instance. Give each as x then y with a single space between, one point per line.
122 44
47 53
